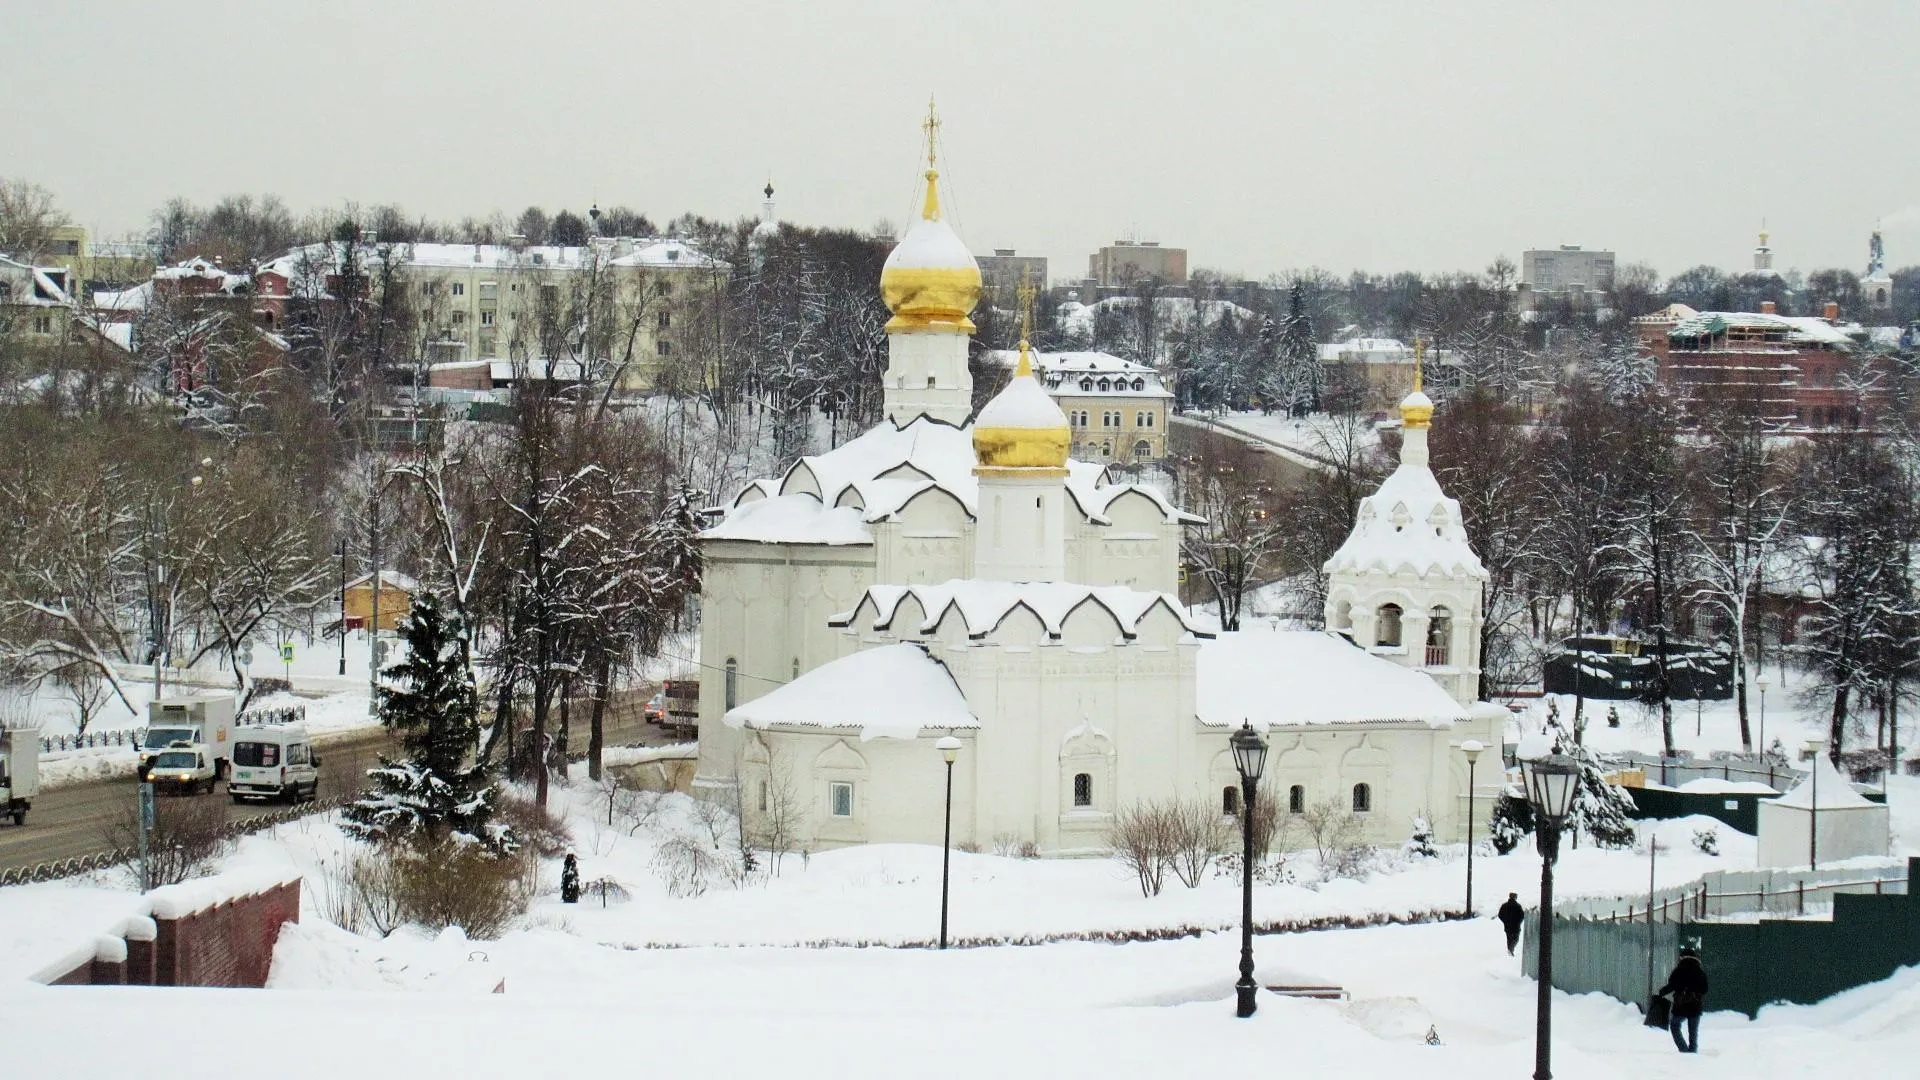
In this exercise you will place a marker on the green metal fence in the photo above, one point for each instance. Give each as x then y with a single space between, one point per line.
1750 962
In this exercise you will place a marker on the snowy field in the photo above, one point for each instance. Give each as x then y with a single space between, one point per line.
589 987
1316 435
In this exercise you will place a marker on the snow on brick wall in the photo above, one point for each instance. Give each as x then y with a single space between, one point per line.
227 944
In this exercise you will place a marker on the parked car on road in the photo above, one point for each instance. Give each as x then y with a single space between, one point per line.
655 710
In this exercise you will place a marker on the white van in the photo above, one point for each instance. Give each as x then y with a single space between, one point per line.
273 761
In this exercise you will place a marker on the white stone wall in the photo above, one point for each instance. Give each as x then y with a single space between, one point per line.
927 375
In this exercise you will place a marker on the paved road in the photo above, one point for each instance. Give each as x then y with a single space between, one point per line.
81 819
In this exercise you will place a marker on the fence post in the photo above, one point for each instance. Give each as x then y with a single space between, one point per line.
1801 888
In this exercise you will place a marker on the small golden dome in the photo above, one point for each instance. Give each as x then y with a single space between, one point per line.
1416 411
930 281
1022 427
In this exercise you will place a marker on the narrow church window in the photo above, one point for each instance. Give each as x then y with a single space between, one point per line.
1230 801
733 682
796 667
1362 798
1387 631
929 382
1296 799
840 799
1083 789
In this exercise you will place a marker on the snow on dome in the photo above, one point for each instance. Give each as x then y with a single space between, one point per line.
1021 427
930 280
1409 524
890 692
1289 678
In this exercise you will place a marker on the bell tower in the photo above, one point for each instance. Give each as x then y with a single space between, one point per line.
931 284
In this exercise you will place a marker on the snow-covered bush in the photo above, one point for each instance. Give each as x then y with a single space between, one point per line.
1354 861
1420 844
1267 870
460 883
1601 811
688 866
1199 836
1511 823
1142 837
1706 840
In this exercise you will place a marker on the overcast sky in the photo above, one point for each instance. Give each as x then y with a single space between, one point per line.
1260 136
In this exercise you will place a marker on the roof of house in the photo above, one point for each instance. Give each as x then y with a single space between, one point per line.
983 604
1409 523
389 579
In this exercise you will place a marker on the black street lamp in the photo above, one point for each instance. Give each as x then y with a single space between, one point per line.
1249 757
1551 784
341 549
1814 746
1471 748
949 748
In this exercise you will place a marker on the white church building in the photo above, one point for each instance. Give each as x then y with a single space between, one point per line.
947 574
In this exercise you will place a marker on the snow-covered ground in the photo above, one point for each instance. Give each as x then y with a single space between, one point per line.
587 987
1701 728
1316 435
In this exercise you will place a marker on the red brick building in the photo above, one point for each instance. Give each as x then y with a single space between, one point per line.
1803 373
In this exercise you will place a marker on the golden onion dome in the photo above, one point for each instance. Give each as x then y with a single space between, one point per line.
930 281
1022 427
1416 411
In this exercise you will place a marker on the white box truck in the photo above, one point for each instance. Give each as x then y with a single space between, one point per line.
19 771
199 719
274 761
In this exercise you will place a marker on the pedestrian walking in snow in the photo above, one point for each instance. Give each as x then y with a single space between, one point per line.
1687 982
1511 915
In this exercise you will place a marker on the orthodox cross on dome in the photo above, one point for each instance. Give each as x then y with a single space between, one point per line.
930 209
1419 361
1026 292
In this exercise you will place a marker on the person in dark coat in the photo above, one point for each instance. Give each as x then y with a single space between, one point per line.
1511 915
1687 982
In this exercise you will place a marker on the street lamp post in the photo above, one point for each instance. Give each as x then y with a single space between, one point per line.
1471 748
949 748
342 548
1249 758
1551 784
1814 746
1760 683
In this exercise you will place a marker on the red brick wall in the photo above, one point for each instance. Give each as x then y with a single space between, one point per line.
227 945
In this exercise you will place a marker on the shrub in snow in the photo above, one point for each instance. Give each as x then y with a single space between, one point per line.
687 866
1706 840
1613 716
1332 828
1511 823
1199 835
1267 870
186 837
1142 838
432 794
1420 845
570 879
607 889
459 882
1354 861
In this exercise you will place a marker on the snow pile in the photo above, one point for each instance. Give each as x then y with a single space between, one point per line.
1295 677
201 894
894 691
930 244
1707 785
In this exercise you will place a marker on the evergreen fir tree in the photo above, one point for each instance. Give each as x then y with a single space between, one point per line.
1512 822
570 880
1601 810
1420 844
431 793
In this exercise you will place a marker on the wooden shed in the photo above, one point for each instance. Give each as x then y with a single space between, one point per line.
396 599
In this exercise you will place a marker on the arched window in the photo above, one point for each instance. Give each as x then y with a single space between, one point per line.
929 382
1296 799
796 668
1362 798
733 682
1082 789
1439 635
1230 801
1143 449
1386 630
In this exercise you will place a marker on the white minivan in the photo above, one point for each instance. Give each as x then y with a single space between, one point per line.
273 761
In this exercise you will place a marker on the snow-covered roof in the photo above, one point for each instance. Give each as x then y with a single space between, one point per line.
791 519
1408 524
929 244
134 299
1078 318
982 605
887 466
1367 350
45 292
1799 329
1289 678
203 270
536 368
389 579
894 691
1064 372
1835 791
120 333
671 252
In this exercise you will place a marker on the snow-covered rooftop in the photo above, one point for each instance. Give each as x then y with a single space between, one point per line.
389 579
1288 678
1408 524
1800 329
984 604
1835 791
894 691
647 252
885 467
791 519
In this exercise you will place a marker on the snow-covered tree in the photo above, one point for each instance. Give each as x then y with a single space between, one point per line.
434 791
1601 811
1420 844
